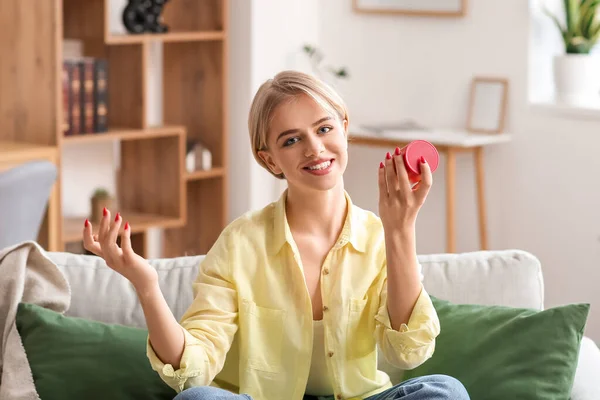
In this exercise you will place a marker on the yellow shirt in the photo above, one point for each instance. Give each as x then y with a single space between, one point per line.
251 285
319 382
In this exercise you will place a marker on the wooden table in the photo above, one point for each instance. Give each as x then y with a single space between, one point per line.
13 154
448 142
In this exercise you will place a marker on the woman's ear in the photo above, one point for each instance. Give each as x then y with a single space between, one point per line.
345 125
268 160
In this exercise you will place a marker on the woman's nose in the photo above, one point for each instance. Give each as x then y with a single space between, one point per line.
314 147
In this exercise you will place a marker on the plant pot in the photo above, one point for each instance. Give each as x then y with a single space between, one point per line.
577 79
98 204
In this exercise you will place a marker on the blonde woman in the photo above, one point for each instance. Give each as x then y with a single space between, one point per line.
311 284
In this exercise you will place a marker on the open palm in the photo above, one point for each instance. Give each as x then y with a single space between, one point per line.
121 259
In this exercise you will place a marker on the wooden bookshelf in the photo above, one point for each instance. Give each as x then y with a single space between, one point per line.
154 189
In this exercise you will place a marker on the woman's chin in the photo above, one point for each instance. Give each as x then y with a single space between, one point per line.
321 183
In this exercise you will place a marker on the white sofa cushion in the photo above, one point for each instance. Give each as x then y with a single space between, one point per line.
509 277
101 294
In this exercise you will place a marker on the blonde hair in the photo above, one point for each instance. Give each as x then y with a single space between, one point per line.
286 86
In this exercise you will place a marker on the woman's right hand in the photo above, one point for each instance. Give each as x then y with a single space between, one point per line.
121 259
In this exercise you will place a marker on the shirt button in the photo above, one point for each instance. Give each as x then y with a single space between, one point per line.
339 397
325 308
330 354
326 271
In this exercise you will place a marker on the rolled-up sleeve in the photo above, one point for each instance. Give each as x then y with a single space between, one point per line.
209 324
413 343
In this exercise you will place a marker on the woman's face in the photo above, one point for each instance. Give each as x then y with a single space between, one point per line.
307 144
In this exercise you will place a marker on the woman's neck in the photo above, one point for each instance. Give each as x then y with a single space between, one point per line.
320 213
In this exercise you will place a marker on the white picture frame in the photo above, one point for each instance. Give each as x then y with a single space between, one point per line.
488 102
431 8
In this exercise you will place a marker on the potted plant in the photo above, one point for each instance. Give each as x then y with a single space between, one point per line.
100 199
577 72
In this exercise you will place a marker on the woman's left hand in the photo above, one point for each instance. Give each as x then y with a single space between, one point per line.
399 200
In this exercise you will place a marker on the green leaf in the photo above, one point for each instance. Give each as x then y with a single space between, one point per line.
572 14
588 15
595 33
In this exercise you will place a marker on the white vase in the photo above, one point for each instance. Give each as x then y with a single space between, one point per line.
577 79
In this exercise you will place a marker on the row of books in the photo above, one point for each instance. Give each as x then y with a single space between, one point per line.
85 95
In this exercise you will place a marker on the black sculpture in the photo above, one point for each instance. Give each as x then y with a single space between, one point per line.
141 16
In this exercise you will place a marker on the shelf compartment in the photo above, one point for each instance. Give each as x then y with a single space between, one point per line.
206 218
194 93
127 65
151 176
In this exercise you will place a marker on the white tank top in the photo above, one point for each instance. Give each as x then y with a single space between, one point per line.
318 379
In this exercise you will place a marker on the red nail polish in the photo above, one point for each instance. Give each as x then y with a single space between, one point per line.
397 151
105 212
117 217
388 156
423 160
381 165
126 225
86 223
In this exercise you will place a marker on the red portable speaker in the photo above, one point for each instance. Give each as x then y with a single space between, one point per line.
412 153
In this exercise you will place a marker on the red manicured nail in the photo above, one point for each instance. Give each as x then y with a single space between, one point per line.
397 151
381 165
423 160
86 223
105 212
126 225
117 217
388 156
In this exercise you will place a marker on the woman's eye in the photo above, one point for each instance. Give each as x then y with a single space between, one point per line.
290 141
324 129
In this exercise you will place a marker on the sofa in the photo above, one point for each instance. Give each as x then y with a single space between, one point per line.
509 277
72 325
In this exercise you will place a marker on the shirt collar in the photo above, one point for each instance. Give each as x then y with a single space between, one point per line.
353 231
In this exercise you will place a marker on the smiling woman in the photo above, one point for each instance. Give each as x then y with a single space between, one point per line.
311 282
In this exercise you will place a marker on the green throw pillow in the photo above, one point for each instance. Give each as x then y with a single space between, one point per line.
507 353
74 358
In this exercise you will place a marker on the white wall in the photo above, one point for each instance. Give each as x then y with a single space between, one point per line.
266 37
542 188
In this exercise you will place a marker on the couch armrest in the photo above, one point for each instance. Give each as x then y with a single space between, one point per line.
587 377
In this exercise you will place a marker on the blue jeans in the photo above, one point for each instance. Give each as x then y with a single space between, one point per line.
431 387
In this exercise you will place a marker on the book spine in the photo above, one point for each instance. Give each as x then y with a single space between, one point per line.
87 95
100 95
66 97
75 99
